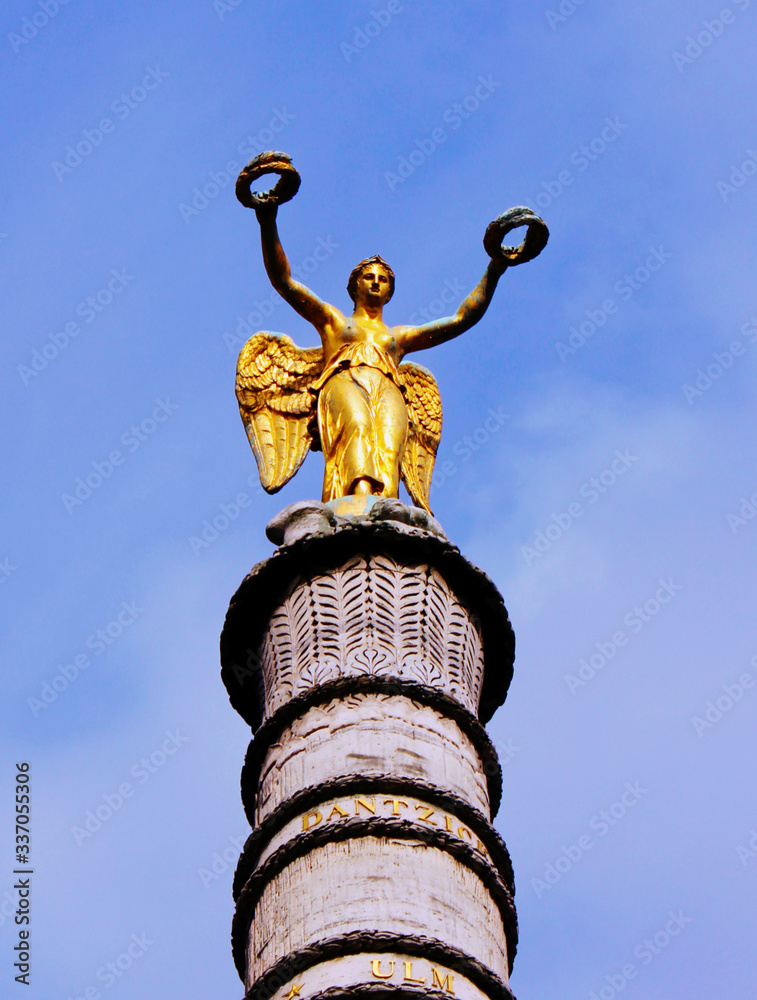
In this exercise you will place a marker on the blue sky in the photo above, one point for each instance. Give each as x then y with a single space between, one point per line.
630 128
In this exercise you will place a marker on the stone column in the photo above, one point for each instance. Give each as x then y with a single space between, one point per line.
366 654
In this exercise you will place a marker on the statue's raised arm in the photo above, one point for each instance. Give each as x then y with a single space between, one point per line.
469 312
299 296
375 419
473 306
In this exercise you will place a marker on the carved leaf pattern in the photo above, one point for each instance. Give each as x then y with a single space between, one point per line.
300 605
370 661
472 658
354 587
277 654
372 616
327 602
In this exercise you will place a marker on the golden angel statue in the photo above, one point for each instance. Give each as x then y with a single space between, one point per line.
375 418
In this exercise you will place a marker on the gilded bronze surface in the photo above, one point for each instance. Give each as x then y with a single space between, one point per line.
376 419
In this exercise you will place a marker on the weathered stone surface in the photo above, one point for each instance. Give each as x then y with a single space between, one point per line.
309 517
300 520
424 955
453 821
372 884
374 736
396 556
369 970
372 616
332 815
365 654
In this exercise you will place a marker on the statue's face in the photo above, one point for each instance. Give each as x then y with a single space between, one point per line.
373 285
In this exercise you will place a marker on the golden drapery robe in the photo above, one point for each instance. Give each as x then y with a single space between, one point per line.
372 419
362 420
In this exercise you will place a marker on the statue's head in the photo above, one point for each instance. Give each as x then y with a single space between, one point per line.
370 273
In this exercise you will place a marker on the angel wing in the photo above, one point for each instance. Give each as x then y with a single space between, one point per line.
424 411
273 382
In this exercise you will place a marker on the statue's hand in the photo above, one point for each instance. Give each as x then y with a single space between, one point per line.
266 211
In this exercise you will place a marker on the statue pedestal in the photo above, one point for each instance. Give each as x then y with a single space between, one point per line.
366 654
